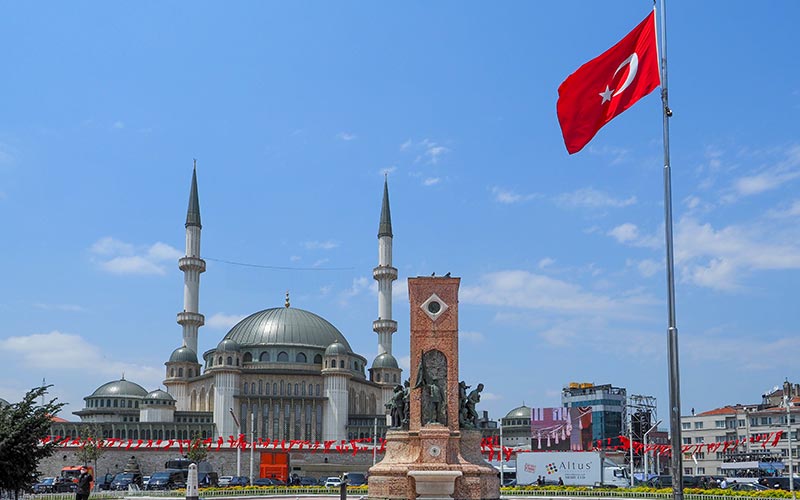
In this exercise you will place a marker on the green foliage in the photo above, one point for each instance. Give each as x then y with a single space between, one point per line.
198 449
22 426
92 448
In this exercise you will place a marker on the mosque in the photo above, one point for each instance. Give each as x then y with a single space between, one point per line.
282 373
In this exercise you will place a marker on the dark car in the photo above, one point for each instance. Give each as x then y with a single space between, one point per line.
748 487
166 480
124 480
104 482
239 481
356 478
64 485
263 481
308 481
46 485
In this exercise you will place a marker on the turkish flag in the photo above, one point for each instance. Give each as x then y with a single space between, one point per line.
608 85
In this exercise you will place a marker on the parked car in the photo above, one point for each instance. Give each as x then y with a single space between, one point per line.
46 485
747 487
356 478
333 482
225 480
166 480
263 481
308 481
124 480
278 482
239 481
64 485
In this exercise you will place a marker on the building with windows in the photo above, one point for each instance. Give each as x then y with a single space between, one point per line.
285 371
607 403
778 412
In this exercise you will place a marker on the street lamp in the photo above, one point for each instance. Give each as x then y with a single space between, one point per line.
238 448
789 455
653 427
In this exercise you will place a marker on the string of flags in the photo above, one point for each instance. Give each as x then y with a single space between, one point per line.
770 439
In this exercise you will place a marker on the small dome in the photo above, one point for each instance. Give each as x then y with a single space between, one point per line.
337 348
521 412
3 403
385 360
159 395
120 388
183 355
228 345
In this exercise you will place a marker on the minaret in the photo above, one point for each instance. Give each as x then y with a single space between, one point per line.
192 265
384 274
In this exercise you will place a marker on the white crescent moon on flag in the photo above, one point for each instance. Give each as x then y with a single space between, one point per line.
633 62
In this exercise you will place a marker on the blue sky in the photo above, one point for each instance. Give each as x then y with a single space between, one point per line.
295 110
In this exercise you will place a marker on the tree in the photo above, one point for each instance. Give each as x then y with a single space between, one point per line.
198 449
92 448
22 427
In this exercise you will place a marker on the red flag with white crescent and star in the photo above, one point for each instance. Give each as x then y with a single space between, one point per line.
608 85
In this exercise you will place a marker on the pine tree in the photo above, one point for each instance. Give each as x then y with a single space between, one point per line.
22 426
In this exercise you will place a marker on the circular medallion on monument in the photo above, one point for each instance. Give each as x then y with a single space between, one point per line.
434 307
434 451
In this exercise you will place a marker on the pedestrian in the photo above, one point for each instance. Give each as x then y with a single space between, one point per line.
84 484
560 482
723 483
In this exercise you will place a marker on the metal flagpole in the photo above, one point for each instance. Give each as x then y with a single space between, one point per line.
672 333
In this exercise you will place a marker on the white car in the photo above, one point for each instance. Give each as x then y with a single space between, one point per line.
333 482
224 480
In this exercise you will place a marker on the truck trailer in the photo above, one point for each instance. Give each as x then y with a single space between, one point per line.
573 468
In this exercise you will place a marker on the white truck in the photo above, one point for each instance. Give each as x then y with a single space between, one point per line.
574 468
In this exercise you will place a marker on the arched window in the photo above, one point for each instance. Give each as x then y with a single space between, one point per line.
296 390
378 376
260 387
281 387
229 361
245 387
237 360
264 358
318 359
274 389
341 363
191 372
180 372
220 360
252 388
248 357
172 372
394 378
300 358
116 403
108 403
283 356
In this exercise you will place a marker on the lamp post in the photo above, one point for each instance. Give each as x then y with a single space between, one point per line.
789 457
252 441
653 427
238 448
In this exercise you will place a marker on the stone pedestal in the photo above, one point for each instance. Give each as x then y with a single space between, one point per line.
435 458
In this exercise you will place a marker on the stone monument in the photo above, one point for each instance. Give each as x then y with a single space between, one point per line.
432 455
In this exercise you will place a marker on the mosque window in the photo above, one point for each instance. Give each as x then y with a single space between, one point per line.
220 360
210 362
281 387
264 358
287 420
296 390
394 378
135 404
180 372
274 389
130 404
297 422
283 356
318 391
307 433
318 359
252 388
172 372
191 373
229 361
108 403
378 376
276 421
247 357
245 387
301 357
260 387
341 363
303 386
237 360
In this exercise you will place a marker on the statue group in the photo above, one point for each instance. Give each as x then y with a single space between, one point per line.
398 406
467 414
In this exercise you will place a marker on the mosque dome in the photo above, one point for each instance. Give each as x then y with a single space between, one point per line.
385 360
521 412
3 403
286 326
183 355
120 388
228 345
335 349
159 395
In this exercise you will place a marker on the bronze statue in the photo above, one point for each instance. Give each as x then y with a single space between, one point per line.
406 403
462 403
472 400
433 400
396 407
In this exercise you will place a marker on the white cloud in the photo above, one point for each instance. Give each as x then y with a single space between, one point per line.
428 151
781 170
617 155
628 233
320 262
430 181
648 267
508 197
295 258
592 198
222 321
118 125
526 290
321 245
118 257
473 337
546 262
388 170
406 145
346 136
64 351
792 210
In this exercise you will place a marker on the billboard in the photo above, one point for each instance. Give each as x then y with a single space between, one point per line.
561 429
